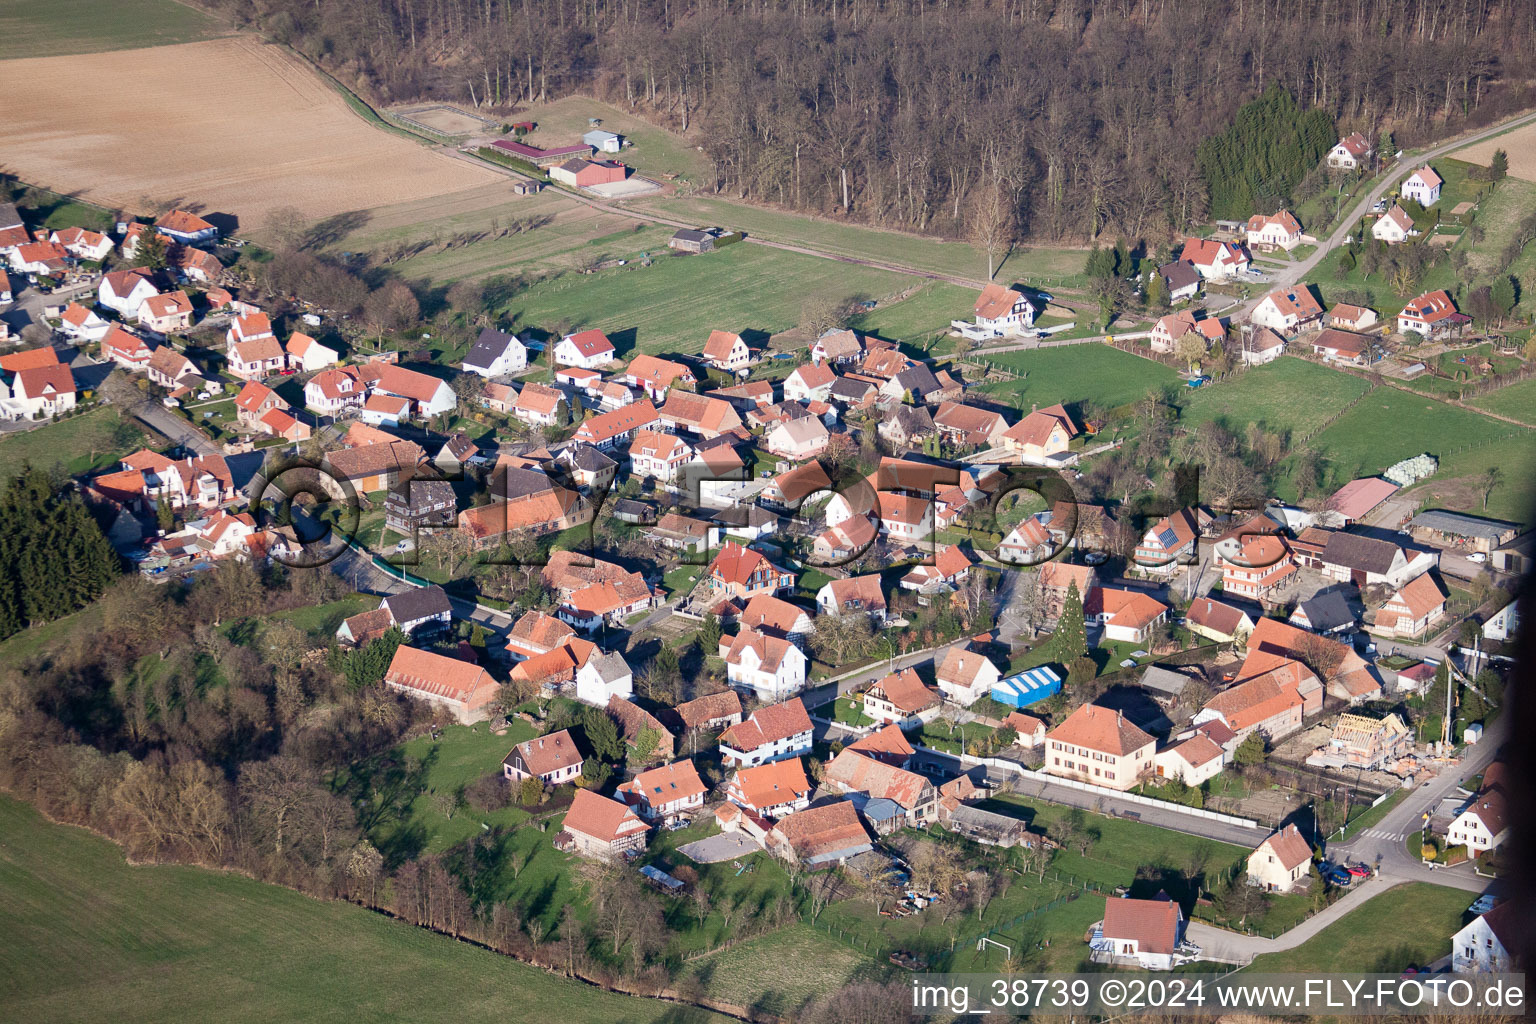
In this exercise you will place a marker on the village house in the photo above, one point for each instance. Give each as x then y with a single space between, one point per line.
798 439
1260 345
1169 330
1351 318
1216 620
167 367
1097 745
667 794
606 603
658 456
1141 933
1422 186
587 349
773 668
1343 347
691 240
853 595
1171 542
967 426
599 827
951 566
580 173
656 376
1267 233
538 405
186 228
536 633
38 392
1416 606
906 425
710 712
1056 580
427 395
638 726
1028 543
495 353
1253 560
727 351
1191 760
770 615
83 244
838 345
1215 261
1326 611
47 259
420 611
1489 942
1128 616
552 759
146 478
770 733
253 360
253 402
743 573
813 381
1433 315
1394 226
373 467
1349 153
80 323
1287 310
1282 862
820 837
1041 437
1367 561
965 676
1182 279
1004 311
124 291
699 415
416 504
126 349
333 390
888 797
306 355
771 790
1482 824
1272 702
462 687
903 699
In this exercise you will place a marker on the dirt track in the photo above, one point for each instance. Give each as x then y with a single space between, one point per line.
227 126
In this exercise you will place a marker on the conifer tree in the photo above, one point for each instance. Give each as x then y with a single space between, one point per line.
1071 632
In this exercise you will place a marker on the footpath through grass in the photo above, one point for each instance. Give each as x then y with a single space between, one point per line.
90 938
1408 925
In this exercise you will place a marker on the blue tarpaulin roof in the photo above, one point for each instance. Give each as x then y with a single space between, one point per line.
1026 688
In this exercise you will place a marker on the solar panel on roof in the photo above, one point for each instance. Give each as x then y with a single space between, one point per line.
1168 538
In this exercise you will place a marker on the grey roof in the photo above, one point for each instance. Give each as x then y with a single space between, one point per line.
1163 680
987 821
1179 274
9 218
600 135
751 515
1355 551
610 666
1327 610
879 808
488 347
918 379
690 234
417 603
1462 525
420 494
516 482
585 457
849 390
913 419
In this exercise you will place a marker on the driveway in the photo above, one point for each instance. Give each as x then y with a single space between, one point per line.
723 847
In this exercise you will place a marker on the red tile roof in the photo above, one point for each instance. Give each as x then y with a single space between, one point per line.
1102 729
1152 924
767 725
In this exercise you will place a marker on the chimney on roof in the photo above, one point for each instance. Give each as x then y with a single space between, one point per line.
1119 717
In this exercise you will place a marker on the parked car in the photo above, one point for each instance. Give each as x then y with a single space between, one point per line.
1359 870
1478 556
1336 875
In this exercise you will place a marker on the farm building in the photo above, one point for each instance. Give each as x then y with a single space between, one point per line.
691 240
604 141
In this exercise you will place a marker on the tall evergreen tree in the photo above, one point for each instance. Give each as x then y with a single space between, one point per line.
54 559
1071 631
1254 165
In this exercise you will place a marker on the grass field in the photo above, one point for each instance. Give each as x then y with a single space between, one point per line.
783 970
1046 267
673 304
915 321
93 440
1407 925
1517 401
1391 425
90 938
654 152
318 157
1457 483
1076 373
1288 395
48 28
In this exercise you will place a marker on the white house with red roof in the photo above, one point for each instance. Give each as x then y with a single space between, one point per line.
600 827
1279 230
429 396
658 456
122 291
813 380
38 392
552 759
1141 933
248 327
1004 311
126 349
1349 153
187 228
83 244
307 355
40 258
537 405
771 790
727 351
334 389
965 676
903 699
1287 309
1215 261
588 349
1281 862
171 311
82 324
663 795
770 666
853 595
1097 745
655 376
950 567
1422 186
253 360
1433 315
1394 226
1126 615
770 733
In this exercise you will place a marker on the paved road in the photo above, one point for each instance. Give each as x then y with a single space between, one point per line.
174 427
1292 273
1234 947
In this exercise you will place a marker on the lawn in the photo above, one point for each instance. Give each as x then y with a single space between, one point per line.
1517 401
50 28
54 212
653 151
91 938
671 305
917 320
1391 425
321 621
1457 484
850 711
90 441
1408 925
1076 373
1499 216
1048 268
783 970
1291 396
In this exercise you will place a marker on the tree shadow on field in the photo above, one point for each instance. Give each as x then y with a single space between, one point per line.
333 229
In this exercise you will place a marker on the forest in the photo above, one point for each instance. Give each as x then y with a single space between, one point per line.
1051 119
